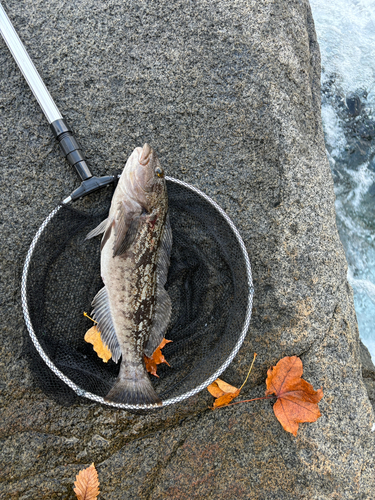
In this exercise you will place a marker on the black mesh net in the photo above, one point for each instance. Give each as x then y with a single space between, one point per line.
207 282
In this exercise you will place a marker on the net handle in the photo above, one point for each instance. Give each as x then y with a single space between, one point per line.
27 68
61 130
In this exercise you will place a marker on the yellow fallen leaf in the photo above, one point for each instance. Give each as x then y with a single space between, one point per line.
226 398
218 388
86 486
93 337
224 392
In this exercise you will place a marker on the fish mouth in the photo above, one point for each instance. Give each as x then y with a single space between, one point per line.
145 154
140 175
144 176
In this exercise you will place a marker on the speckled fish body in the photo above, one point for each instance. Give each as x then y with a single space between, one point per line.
133 309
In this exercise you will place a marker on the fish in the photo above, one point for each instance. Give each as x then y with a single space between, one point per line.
133 308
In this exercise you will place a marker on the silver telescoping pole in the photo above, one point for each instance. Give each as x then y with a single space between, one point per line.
60 128
28 69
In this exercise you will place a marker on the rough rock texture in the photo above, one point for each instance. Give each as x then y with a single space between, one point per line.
229 94
368 373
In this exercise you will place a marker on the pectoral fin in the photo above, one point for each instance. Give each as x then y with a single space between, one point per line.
106 235
126 228
98 230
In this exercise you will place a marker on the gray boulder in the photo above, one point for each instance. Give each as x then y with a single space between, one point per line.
229 95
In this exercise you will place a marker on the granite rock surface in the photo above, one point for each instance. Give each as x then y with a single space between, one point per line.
229 95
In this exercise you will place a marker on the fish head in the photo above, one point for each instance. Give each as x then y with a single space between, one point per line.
143 178
149 174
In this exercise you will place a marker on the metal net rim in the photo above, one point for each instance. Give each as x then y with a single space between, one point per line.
167 402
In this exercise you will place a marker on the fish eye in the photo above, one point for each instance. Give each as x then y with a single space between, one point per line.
159 172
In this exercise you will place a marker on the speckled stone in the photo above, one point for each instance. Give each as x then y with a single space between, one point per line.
228 92
368 372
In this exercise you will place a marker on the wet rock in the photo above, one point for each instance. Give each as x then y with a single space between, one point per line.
229 94
354 105
367 130
368 372
356 122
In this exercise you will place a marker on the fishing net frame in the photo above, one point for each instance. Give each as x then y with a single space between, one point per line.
238 337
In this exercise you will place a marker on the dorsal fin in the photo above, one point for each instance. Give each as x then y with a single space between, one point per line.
163 305
102 314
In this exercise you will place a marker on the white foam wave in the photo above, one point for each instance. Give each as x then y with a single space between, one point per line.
362 285
362 180
333 131
346 35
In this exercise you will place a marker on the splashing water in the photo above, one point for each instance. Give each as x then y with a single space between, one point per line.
346 35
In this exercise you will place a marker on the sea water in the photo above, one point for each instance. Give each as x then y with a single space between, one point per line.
346 35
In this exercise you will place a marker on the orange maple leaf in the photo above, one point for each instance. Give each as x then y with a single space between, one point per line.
156 359
296 398
93 337
86 486
225 393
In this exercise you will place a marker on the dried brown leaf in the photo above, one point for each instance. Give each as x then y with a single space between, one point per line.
86 486
224 392
156 359
225 399
93 337
215 390
297 401
219 388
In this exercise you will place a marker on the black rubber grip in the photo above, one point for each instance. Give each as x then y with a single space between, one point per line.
70 148
68 143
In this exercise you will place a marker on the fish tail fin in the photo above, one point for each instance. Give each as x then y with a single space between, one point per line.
133 387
